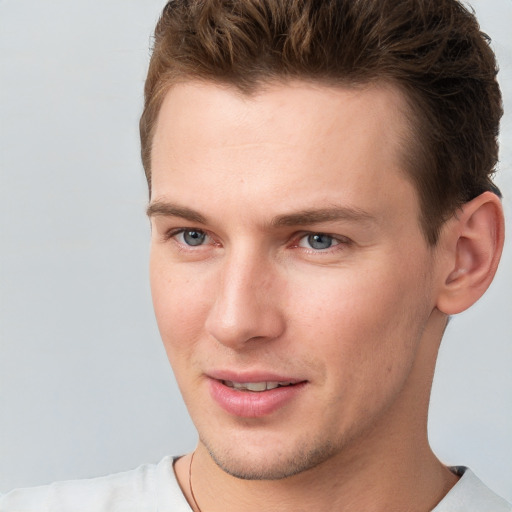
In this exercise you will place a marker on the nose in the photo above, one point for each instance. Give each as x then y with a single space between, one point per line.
246 305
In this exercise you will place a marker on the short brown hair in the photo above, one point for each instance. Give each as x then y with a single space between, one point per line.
433 50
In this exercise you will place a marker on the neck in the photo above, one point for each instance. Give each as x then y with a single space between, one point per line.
349 485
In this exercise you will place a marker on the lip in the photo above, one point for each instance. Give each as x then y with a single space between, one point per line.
252 376
248 404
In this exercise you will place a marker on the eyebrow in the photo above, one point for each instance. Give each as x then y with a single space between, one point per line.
299 218
164 209
316 216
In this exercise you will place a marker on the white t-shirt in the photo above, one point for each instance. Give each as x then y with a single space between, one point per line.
153 487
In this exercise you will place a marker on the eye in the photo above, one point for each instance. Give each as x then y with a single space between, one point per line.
318 241
191 237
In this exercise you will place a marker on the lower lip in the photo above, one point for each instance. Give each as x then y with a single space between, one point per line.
250 404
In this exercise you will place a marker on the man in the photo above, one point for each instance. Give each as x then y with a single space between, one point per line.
321 203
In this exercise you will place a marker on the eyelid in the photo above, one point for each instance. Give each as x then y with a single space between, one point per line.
339 240
334 240
172 233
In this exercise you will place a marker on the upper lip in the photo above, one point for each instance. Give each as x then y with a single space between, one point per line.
252 376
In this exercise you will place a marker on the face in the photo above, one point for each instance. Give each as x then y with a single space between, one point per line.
291 281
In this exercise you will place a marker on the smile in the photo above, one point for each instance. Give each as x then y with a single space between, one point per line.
257 398
255 387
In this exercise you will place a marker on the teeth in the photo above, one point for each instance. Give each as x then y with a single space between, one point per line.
255 386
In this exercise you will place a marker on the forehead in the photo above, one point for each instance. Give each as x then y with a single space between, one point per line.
288 143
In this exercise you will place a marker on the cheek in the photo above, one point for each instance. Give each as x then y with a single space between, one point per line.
180 305
373 319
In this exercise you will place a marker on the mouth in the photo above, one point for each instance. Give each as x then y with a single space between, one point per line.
251 397
256 387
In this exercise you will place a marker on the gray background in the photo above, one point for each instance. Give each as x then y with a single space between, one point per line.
85 387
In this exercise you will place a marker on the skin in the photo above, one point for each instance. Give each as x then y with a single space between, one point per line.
357 321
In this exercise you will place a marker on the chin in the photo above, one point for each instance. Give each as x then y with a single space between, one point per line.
271 462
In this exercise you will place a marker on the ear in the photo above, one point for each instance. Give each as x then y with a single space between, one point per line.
472 242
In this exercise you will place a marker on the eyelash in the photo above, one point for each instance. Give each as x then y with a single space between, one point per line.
172 234
338 242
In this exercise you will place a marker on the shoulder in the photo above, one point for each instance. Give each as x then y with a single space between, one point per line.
142 489
470 494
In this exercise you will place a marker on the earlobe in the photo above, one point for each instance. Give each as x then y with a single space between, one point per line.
474 241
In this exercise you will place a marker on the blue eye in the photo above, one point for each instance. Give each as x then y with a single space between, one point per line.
193 237
318 241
